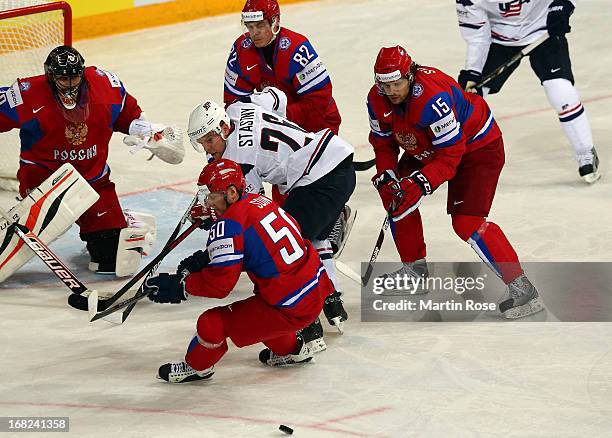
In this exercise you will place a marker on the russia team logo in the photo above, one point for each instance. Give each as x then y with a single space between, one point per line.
417 90
284 43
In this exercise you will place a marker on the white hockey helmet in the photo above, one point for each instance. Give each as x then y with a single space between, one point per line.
204 118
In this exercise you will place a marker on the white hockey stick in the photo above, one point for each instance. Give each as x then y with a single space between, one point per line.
347 271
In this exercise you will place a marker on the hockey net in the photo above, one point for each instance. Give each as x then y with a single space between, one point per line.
29 29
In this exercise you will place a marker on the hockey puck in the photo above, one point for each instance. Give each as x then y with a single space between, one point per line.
285 429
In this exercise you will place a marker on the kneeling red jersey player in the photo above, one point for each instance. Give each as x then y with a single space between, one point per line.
446 135
249 233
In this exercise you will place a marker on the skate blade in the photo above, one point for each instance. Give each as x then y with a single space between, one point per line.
338 323
530 308
592 177
317 345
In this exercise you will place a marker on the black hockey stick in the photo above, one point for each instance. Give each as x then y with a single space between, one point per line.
46 255
376 250
172 237
364 165
111 305
516 58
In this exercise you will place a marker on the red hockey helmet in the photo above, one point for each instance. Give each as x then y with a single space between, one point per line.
258 10
221 174
392 63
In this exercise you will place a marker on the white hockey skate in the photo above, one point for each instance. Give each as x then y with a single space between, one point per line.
268 357
181 372
589 166
521 299
413 275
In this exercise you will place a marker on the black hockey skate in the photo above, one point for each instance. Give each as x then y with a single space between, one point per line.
302 354
334 311
589 166
181 372
342 228
313 337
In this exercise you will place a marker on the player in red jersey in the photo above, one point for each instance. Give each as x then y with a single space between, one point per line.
271 55
446 134
250 233
275 66
68 114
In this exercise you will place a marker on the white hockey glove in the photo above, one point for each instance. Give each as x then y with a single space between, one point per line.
271 99
164 142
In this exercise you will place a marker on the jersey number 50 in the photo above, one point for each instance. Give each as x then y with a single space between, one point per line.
283 232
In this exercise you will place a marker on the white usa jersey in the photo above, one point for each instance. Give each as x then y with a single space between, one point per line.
509 23
274 150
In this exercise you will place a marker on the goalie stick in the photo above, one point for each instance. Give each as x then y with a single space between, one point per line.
516 58
43 252
111 305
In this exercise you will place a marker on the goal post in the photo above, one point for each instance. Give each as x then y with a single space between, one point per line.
29 29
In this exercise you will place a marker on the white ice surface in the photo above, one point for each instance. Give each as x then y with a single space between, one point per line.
379 379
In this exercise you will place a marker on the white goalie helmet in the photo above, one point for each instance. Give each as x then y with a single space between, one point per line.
204 118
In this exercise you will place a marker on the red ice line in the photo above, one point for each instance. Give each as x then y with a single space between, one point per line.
318 426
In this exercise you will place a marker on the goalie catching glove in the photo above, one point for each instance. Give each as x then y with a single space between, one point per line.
164 142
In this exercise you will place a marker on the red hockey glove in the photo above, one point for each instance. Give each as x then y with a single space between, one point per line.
412 191
200 213
387 184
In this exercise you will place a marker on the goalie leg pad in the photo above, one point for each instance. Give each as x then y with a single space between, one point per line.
135 241
48 211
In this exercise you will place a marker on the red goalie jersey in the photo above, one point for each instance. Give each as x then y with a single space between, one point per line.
257 236
48 139
437 124
297 70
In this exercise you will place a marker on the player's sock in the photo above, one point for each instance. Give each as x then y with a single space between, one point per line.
491 245
408 237
335 313
564 98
